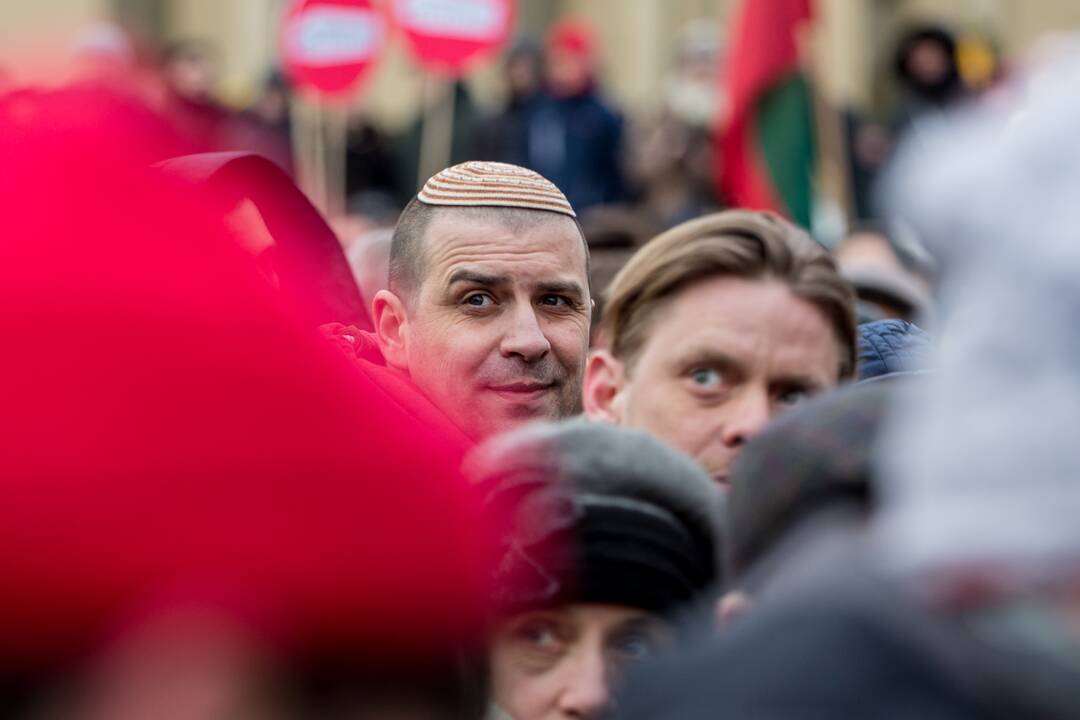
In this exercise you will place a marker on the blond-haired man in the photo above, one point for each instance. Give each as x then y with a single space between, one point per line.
716 325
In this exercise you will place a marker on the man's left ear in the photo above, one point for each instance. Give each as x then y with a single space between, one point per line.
603 385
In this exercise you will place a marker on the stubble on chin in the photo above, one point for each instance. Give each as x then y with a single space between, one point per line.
570 401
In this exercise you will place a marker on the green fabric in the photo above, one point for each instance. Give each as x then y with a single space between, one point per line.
785 137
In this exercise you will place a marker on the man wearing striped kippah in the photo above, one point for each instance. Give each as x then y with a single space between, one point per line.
488 306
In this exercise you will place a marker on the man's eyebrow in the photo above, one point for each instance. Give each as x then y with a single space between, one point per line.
639 621
477 278
565 287
645 623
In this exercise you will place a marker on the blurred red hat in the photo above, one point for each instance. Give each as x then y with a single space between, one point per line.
173 433
572 36
309 265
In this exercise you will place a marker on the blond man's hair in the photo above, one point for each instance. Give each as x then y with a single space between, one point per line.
733 243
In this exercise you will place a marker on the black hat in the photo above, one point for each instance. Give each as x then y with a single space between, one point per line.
598 514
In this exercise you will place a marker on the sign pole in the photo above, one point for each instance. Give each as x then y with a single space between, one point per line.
300 135
437 127
327 47
446 37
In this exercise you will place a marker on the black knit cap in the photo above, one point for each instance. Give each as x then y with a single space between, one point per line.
819 456
598 514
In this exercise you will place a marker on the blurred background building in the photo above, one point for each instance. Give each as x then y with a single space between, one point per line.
655 60
638 39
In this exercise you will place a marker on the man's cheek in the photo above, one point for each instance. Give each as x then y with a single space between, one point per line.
568 336
662 405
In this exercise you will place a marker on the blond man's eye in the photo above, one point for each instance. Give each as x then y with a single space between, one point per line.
705 377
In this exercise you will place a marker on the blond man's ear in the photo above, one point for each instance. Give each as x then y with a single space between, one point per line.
603 387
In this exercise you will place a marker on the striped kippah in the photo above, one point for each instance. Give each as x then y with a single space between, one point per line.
493 184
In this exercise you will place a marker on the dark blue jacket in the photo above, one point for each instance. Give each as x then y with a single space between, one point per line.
575 143
891 346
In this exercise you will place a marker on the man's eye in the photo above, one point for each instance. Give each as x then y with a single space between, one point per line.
705 377
554 300
479 300
634 647
539 635
793 396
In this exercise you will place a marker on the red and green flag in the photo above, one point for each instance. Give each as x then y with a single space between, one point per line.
767 147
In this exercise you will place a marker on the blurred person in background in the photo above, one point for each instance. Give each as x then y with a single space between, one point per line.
366 212
575 137
614 234
610 535
371 174
670 154
926 66
369 258
265 127
891 347
190 74
488 305
406 144
999 557
110 76
103 56
196 512
888 283
504 136
714 327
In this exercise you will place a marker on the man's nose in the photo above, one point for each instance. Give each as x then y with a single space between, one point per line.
524 337
748 413
586 693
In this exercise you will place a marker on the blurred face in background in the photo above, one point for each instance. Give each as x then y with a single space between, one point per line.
272 106
721 358
929 62
562 662
209 675
523 74
867 249
569 72
190 74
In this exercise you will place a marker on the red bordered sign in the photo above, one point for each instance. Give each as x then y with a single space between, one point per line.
328 46
446 36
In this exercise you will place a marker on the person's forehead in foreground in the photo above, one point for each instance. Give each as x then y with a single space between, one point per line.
488 307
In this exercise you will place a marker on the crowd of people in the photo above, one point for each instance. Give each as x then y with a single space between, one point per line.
479 465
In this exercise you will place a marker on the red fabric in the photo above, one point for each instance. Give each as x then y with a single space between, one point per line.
362 348
763 51
308 261
172 433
